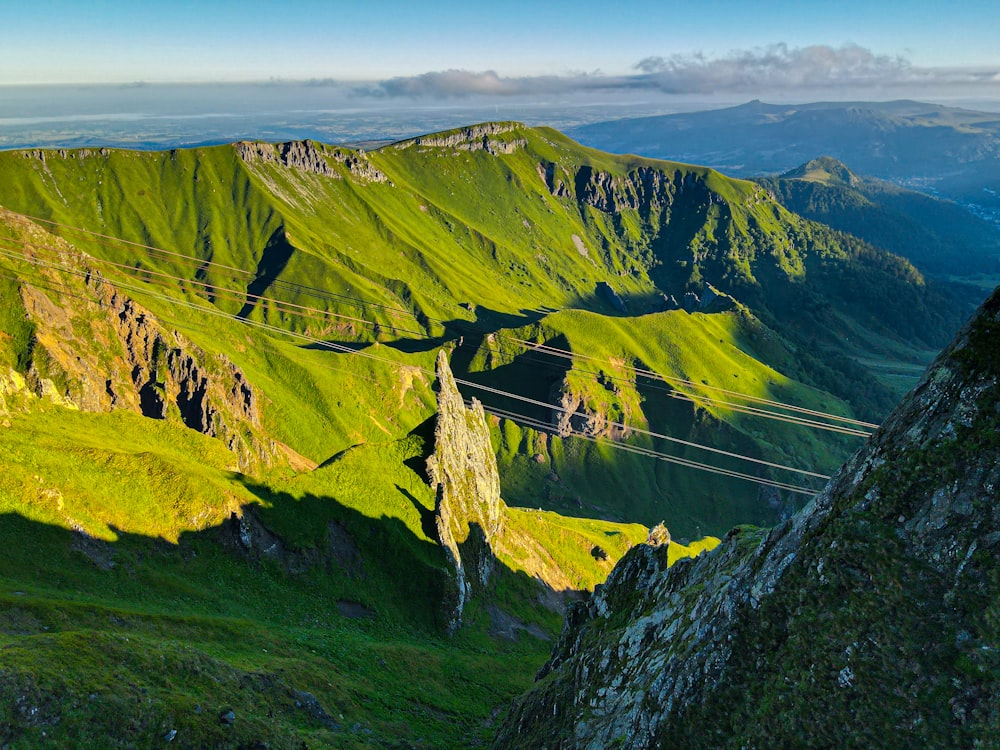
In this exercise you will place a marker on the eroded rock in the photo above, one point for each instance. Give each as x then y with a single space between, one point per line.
468 512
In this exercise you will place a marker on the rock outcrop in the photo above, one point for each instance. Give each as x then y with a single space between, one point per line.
247 534
304 156
95 349
469 512
475 138
871 618
312 158
644 189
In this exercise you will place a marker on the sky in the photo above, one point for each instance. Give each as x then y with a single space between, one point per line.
64 60
123 41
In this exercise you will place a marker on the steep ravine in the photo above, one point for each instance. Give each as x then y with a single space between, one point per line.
871 618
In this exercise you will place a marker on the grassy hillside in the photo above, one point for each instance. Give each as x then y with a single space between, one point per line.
134 602
496 229
214 438
939 236
148 587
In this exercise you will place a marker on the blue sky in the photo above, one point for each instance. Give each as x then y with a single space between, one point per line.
108 41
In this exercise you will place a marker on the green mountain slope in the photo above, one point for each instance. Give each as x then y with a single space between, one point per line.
148 586
870 619
215 438
491 230
938 236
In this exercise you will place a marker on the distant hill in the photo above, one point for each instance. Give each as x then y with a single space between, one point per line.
939 236
954 152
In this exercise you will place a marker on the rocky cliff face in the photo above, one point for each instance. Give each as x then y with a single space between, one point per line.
871 618
469 512
644 189
312 158
94 348
475 138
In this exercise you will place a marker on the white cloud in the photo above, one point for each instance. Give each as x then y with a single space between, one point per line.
460 83
773 69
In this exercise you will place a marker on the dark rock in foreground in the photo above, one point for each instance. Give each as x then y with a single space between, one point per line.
870 619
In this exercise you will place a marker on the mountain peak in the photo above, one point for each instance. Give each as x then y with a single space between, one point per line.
825 170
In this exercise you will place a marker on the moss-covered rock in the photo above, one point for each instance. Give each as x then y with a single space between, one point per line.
869 619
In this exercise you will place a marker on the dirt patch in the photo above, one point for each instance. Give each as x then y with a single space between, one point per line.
296 460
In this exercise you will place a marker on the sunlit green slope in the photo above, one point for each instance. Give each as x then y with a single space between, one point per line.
147 586
266 541
498 228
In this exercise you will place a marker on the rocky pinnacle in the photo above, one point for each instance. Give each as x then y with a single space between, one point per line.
468 512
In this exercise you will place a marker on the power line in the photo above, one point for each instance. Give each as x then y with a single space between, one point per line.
659 455
704 386
202 263
526 344
507 394
563 410
707 400
513 416
552 351
348 350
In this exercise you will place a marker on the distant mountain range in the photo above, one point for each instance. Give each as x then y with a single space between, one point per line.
945 150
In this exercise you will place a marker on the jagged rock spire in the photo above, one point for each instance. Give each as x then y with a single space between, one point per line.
463 469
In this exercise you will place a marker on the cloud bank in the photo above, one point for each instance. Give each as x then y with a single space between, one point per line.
776 68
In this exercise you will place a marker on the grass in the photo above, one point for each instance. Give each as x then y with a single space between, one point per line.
710 351
62 466
586 548
452 265
120 635
156 619
124 577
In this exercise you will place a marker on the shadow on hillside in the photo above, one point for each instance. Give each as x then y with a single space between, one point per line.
465 331
534 374
418 464
428 524
275 256
271 613
286 560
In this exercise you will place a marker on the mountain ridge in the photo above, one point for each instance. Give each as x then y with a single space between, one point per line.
410 250
942 151
870 603
937 236
621 296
